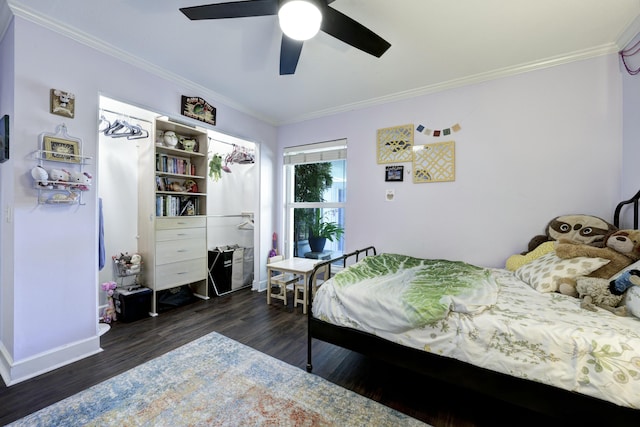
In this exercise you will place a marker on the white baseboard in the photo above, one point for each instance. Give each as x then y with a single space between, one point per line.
15 372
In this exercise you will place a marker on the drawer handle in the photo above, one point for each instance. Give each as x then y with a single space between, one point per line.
181 250
182 234
184 272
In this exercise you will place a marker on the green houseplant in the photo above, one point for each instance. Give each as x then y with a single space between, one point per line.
320 231
311 181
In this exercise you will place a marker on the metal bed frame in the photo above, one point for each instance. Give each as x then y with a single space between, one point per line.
570 407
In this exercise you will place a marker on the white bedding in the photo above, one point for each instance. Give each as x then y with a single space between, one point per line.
544 337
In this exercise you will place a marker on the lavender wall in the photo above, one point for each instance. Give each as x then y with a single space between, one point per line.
531 147
53 279
631 129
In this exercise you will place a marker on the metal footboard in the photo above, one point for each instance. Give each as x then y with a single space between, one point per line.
346 259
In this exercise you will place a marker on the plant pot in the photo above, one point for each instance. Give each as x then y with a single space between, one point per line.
317 243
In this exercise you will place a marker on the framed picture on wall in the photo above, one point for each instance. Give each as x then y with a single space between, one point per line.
394 173
61 150
4 139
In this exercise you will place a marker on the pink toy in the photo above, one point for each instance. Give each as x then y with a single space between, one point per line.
109 313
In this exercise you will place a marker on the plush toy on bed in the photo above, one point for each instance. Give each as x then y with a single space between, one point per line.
586 229
622 248
607 294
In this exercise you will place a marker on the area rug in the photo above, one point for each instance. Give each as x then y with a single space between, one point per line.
215 381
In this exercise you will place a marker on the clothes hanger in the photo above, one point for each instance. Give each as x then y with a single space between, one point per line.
103 120
123 129
246 225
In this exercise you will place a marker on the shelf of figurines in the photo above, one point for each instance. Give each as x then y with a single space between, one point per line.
57 186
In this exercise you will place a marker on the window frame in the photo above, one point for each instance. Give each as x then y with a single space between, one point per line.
310 153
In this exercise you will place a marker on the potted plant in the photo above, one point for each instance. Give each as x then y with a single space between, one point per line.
320 231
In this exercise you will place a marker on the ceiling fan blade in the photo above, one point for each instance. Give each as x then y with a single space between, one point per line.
343 28
233 9
289 54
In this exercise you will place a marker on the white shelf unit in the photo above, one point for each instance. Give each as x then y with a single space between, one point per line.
172 220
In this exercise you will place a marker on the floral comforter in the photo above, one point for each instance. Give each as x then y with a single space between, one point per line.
498 322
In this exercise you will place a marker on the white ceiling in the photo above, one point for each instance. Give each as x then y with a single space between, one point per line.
435 44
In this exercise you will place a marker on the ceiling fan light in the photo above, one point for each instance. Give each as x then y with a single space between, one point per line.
300 19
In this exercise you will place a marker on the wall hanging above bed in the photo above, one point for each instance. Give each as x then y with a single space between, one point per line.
395 144
434 162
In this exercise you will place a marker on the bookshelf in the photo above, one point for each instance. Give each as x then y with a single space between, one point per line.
172 217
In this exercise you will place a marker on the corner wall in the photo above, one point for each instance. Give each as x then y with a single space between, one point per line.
531 147
631 131
56 247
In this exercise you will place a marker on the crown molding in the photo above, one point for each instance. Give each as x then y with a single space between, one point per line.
5 18
29 14
457 83
628 34
122 55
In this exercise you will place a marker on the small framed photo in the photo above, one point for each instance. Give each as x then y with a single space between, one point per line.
394 173
61 150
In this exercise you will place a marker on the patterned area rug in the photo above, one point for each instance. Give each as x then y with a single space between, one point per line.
215 381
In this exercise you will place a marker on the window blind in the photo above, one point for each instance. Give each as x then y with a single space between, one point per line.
315 153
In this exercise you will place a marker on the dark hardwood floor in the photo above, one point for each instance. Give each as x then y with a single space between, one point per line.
275 330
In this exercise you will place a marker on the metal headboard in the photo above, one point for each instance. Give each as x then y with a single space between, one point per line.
616 214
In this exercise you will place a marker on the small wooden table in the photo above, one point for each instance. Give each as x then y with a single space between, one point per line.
301 266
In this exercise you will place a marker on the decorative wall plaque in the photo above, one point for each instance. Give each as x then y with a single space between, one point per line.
199 109
62 103
434 162
395 144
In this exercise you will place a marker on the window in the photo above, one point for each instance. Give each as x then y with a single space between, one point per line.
315 188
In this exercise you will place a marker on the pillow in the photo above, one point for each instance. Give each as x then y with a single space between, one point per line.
632 301
542 273
514 262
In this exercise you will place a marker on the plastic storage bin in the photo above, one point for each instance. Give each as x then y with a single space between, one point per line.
132 305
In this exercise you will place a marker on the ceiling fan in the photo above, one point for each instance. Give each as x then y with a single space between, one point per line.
323 18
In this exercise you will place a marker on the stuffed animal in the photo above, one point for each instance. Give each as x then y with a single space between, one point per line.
82 180
134 264
595 292
41 176
109 313
60 176
622 248
587 229
176 186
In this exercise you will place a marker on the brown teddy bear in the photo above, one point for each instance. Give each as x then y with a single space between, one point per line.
622 248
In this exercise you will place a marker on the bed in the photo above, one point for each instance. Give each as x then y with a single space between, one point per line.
483 329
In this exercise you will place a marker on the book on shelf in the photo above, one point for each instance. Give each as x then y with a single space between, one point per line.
169 205
174 164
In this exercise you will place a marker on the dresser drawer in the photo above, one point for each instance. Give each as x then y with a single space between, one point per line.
180 233
165 223
180 273
180 250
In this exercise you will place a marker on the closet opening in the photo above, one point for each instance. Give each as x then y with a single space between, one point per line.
173 193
